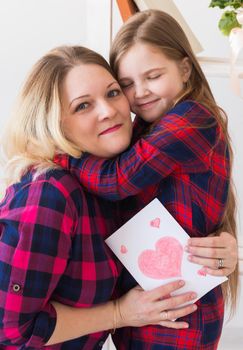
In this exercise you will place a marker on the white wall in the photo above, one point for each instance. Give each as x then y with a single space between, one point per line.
30 28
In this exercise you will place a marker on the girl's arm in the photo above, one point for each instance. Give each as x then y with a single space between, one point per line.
136 308
174 144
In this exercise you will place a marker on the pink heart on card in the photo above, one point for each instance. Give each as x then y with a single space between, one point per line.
123 249
155 223
163 262
202 272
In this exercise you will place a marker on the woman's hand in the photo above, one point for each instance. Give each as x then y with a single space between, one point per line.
138 308
218 254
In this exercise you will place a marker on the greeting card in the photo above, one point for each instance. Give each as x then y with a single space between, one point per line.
151 247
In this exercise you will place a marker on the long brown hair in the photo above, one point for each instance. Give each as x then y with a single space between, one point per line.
159 29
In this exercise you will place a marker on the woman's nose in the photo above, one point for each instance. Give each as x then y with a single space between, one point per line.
106 110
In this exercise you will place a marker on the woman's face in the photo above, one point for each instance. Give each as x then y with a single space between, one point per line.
95 112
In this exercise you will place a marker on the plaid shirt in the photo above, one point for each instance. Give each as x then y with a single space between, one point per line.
52 248
187 169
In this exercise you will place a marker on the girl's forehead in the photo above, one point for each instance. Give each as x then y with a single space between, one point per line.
141 55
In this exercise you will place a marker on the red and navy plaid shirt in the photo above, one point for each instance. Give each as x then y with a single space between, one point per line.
184 162
52 248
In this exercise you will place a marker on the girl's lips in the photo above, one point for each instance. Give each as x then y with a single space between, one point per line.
147 105
112 129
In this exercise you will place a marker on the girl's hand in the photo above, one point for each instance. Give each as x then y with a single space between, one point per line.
218 254
138 308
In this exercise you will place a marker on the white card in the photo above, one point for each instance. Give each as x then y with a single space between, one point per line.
151 247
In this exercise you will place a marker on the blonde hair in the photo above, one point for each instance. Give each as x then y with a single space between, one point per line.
162 31
34 133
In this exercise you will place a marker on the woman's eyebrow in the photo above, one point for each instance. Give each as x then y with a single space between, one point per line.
114 82
77 98
87 95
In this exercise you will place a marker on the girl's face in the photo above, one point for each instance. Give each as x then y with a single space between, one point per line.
95 112
151 81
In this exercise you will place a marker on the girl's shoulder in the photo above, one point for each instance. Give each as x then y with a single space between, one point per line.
191 113
190 107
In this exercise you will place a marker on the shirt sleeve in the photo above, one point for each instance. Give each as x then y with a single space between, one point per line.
140 127
175 144
34 249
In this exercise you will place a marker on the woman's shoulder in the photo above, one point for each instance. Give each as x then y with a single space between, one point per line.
62 181
52 187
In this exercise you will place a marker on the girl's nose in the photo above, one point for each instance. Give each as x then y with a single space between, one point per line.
141 90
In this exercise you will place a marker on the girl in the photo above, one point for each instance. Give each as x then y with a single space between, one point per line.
56 274
181 154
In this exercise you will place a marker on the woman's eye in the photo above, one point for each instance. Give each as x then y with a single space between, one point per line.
82 106
114 93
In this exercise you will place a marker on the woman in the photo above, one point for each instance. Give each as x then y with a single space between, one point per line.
56 274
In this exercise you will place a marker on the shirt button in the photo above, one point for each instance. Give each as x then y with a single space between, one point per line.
16 287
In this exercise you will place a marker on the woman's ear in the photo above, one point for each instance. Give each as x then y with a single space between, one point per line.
186 69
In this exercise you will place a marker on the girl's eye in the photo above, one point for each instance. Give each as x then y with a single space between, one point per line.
114 93
154 76
127 85
82 106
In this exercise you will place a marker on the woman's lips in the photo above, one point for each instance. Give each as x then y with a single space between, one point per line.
112 129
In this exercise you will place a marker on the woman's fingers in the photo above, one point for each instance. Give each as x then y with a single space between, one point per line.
139 307
165 290
207 252
211 263
175 325
211 241
176 301
219 272
173 314
169 315
218 254
211 266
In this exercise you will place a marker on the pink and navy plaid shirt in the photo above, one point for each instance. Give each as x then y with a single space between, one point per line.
52 248
187 169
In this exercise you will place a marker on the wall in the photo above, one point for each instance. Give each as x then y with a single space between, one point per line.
30 28
217 72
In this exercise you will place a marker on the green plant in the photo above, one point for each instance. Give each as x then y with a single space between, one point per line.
228 20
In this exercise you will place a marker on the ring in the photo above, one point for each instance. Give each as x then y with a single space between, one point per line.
220 263
164 315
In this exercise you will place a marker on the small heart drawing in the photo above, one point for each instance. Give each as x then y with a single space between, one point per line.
123 249
163 262
155 223
202 272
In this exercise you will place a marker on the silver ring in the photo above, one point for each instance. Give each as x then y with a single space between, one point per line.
220 263
164 315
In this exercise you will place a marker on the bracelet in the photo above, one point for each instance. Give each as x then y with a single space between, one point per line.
119 309
114 316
